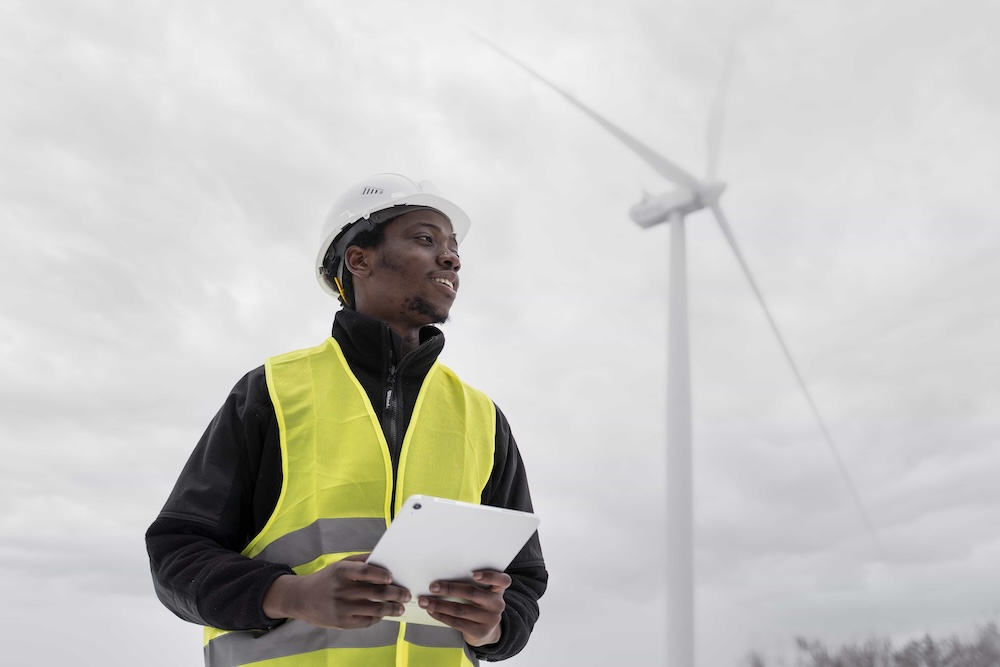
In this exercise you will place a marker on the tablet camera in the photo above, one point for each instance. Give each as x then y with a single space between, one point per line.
417 506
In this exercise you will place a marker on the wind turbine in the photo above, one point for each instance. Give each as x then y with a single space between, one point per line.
689 196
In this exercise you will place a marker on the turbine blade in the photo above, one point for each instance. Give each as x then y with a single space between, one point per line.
727 232
662 165
717 116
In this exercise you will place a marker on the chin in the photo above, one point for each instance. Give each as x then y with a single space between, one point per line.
439 318
434 314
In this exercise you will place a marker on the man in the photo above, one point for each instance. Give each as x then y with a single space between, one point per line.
264 537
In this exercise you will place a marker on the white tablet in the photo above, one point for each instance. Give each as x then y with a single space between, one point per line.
433 539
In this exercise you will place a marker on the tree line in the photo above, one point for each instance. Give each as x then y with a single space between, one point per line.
981 650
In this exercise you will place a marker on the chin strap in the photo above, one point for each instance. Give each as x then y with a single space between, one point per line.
340 288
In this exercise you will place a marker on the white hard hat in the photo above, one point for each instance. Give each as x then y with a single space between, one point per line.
381 192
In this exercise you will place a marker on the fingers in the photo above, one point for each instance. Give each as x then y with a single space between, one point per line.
363 557
349 594
478 621
357 580
369 582
464 613
387 593
373 609
486 592
478 618
497 581
355 568
363 613
481 596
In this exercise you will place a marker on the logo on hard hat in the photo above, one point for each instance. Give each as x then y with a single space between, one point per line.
372 191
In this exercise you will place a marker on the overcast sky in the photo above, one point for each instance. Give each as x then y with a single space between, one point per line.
165 171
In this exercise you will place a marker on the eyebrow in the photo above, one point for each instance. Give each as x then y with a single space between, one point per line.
432 225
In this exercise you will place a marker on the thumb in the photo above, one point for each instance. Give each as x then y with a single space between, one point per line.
358 557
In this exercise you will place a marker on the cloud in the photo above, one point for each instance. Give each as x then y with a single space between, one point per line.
166 170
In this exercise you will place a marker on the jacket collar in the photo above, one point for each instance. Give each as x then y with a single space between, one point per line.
371 345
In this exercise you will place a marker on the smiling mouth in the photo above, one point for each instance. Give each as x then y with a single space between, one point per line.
445 281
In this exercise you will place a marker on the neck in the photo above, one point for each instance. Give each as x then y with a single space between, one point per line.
409 333
410 338
371 344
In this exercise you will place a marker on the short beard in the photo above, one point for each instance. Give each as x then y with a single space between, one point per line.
415 304
420 305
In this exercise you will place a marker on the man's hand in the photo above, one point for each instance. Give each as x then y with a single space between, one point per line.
341 595
479 619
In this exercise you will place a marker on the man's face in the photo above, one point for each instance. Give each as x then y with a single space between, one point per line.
414 271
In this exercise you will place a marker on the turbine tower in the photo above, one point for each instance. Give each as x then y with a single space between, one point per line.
689 196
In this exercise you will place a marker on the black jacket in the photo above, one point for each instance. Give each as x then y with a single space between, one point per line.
230 485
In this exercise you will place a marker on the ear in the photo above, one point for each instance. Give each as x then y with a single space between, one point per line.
356 261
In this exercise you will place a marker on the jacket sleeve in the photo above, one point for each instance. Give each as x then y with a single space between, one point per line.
194 544
508 487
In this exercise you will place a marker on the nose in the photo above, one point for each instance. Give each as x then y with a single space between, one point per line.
450 259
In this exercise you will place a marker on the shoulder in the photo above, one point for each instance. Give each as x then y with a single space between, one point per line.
504 444
504 437
471 393
451 376
250 392
326 347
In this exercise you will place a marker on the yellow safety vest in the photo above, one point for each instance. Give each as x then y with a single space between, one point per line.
335 501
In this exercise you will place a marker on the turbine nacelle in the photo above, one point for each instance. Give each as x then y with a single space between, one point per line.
682 201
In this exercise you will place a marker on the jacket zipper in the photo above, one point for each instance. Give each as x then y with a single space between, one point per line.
391 404
391 408
392 397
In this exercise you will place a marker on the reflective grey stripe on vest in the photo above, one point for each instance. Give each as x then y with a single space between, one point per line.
296 637
434 636
324 536
292 638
